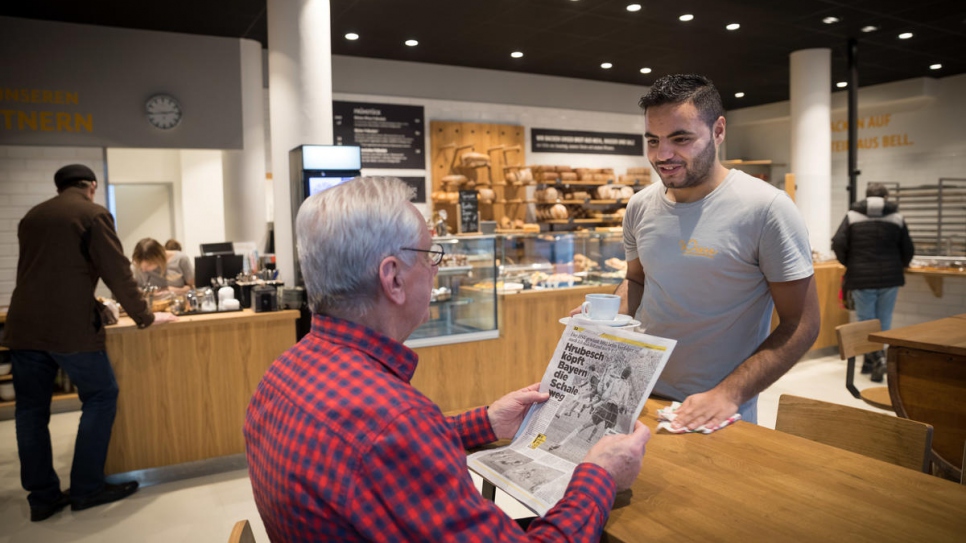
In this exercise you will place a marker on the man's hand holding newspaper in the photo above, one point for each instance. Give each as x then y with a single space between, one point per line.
507 413
584 410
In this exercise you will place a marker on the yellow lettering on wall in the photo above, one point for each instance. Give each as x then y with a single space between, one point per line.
47 121
84 121
896 140
63 122
840 145
27 118
40 96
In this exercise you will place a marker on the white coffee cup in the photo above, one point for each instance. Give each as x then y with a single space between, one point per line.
600 307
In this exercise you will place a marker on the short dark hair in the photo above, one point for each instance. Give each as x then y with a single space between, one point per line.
681 88
172 245
876 189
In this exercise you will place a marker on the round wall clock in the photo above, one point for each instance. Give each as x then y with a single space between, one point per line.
163 111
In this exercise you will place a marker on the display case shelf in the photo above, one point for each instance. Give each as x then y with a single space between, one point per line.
470 312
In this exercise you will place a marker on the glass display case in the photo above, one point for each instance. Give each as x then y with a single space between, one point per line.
561 259
463 306
600 256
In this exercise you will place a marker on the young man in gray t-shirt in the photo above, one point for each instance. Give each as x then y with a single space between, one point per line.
710 252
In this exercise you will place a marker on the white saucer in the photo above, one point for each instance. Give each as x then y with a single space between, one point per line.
621 321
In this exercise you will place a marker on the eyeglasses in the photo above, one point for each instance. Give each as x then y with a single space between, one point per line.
435 252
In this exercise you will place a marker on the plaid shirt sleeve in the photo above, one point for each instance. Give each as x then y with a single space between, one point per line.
473 427
414 486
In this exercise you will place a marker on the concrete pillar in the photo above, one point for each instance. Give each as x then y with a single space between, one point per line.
300 102
811 137
244 170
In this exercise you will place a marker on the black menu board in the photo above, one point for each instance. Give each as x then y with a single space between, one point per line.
390 135
419 184
546 140
469 212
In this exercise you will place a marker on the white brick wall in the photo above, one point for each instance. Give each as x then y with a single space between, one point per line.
26 179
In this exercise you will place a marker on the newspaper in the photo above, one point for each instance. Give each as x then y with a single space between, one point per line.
598 380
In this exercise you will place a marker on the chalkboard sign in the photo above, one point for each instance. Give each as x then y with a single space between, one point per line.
469 212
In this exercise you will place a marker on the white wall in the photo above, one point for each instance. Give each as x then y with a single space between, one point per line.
202 199
924 115
150 166
195 176
27 179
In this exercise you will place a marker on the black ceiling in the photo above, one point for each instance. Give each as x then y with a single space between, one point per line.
571 38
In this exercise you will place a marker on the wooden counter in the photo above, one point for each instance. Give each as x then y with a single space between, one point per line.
749 483
184 386
927 382
828 283
464 375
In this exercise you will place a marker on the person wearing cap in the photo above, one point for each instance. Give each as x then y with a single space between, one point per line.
67 244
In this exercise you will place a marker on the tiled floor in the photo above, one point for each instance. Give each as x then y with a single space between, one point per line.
205 508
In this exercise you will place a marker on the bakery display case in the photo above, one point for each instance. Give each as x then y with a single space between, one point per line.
561 259
537 261
599 256
463 305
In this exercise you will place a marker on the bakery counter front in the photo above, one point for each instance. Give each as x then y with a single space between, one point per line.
184 386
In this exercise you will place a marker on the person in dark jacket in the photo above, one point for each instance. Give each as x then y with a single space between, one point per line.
873 243
67 244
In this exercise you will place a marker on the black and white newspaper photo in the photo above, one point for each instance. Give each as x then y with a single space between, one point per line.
599 379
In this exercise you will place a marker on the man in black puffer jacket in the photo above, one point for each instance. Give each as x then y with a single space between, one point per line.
874 245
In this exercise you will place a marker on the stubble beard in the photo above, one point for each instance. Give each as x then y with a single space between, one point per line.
696 173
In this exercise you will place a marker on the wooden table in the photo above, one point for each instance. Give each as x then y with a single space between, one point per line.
748 483
184 386
927 382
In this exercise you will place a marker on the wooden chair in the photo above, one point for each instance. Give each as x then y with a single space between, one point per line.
241 533
902 442
853 341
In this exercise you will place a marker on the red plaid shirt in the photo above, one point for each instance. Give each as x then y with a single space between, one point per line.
342 448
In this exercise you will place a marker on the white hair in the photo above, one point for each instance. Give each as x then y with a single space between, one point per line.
343 233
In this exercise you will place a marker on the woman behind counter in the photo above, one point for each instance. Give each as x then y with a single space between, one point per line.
167 270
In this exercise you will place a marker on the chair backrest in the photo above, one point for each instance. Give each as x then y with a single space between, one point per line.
854 338
899 441
241 533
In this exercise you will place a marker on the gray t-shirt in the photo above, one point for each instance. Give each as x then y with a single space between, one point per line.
707 265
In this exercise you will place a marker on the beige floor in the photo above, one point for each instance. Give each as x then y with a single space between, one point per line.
205 508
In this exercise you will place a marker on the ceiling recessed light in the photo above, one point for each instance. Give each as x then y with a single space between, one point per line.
645 70
352 36
842 84
870 28
935 66
412 43
516 54
606 65
733 26
830 20
739 95
686 17
905 35
633 7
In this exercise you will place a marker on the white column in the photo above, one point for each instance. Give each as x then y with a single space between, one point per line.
244 191
811 106
300 101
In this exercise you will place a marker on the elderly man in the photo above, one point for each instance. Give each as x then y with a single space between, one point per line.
342 448
67 244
